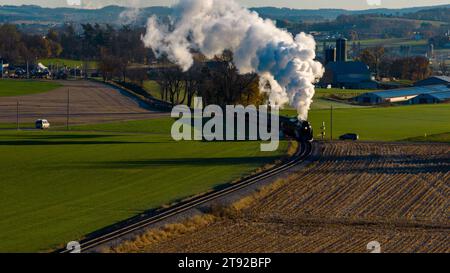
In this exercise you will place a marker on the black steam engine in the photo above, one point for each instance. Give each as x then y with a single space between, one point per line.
301 130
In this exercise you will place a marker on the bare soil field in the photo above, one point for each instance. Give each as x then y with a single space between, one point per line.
89 102
396 194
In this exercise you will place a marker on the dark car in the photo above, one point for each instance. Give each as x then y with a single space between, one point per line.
353 137
61 75
20 72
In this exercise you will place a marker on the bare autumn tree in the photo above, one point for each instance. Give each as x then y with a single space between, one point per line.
170 79
138 76
252 94
192 82
217 82
224 84
411 68
373 57
444 68
108 64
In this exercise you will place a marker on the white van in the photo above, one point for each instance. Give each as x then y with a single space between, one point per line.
42 124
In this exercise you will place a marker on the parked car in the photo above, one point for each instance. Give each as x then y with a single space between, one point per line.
353 137
61 75
42 124
20 73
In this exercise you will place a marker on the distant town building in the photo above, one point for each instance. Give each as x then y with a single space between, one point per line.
400 95
3 66
417 36
352 75
430 52
405 50
434 80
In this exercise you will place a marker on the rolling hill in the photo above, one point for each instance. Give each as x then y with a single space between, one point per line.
27 15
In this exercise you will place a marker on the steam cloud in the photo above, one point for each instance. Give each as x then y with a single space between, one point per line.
130 15
212 26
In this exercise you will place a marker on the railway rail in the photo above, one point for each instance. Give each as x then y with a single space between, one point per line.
304 152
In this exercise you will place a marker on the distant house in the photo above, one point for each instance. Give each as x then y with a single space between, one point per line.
3 65
435 80
352 75
400 95
431 98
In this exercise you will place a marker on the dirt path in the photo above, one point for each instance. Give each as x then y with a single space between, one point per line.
89 102
396 194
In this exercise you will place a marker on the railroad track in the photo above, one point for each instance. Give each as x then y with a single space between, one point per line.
302 154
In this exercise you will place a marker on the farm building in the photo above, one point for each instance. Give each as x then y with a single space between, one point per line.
431 98
3 65
435 80
400 95
353 75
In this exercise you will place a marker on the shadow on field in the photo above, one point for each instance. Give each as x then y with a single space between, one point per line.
186 162
56 143
74 136
75 139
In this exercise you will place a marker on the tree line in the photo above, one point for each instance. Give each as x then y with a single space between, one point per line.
370 26
114 47
383 65
217 81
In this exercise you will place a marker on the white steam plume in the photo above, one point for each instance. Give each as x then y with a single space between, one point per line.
212 26
131 13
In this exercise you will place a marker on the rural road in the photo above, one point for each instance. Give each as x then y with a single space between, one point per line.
394 193
89 102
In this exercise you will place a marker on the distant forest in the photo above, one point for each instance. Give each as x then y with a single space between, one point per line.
39 20
366 26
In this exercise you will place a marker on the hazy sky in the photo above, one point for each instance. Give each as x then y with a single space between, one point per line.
309 4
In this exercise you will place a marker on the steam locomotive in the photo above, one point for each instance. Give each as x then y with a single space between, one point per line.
301 130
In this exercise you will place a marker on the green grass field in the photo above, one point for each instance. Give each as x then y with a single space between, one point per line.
153 89
323 98
58 186
384 123
67 62
393 42
11 88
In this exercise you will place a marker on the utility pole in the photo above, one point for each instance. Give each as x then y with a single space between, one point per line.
68 108
17 116
331 123
323 130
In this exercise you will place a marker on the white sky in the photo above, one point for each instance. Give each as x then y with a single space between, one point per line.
307 4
